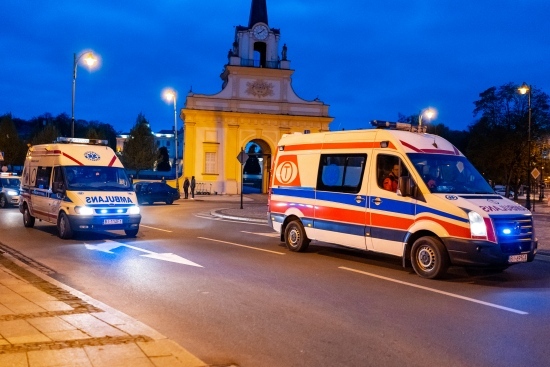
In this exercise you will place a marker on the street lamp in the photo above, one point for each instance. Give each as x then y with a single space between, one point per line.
526 89
429 113
90 60
170 95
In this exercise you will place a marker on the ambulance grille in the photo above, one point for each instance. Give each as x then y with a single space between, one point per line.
514 234
110 210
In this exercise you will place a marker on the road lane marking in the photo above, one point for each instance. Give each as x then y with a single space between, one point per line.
158 229
239 245
109 245
263 234
436 291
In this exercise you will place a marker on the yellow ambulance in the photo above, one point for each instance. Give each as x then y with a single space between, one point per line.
395 191
78 185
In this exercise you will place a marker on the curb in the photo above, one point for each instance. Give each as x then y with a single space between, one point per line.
216 213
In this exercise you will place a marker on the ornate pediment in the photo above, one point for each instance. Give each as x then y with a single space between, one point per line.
259 88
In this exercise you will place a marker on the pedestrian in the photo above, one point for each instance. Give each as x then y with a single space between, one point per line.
186 188
193 183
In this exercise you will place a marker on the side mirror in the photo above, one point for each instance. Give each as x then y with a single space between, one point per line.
59 188
406 186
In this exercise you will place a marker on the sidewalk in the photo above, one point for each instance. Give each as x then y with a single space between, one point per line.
44 323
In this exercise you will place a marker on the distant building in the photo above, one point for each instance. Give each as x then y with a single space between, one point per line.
256 105
163 138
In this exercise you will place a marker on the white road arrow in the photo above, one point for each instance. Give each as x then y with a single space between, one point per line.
109 245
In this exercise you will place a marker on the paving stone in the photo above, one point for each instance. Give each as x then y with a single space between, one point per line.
62 357
14 360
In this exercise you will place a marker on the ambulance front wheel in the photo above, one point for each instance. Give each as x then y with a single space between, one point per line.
131 232
64 227
295 236
28 219
429 257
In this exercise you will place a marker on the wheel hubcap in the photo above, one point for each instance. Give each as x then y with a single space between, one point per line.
426 258
294 237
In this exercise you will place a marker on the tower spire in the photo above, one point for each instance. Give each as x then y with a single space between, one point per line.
258 12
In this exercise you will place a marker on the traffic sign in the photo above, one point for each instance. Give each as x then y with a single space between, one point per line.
242 157
535 173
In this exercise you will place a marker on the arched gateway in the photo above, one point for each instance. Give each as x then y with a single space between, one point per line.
256 104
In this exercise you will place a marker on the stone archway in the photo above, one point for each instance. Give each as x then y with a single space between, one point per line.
256 170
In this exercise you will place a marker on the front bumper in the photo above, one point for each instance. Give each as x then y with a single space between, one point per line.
104 222
485 253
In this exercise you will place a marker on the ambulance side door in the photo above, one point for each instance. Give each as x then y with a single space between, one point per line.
56 197
40 191
390 213
340 210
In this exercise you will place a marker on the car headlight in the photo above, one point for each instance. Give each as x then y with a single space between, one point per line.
84 210
133 210
477 225
12 193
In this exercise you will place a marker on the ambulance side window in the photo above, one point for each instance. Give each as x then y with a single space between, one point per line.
388 169
43 175
341 172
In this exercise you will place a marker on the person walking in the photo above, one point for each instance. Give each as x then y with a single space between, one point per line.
193 183
186 188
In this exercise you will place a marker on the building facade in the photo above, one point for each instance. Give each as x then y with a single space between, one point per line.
256 106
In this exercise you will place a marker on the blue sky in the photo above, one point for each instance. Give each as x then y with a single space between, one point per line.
366 59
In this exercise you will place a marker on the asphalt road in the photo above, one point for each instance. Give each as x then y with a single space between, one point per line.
232 294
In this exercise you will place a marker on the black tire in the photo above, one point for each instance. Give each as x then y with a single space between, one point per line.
295 237
64 227
429 258
131 232
28 219
169 201
3 202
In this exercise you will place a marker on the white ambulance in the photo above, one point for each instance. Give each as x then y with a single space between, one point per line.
402 193
79 185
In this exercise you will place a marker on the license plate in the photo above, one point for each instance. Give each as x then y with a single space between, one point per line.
517 258
112 221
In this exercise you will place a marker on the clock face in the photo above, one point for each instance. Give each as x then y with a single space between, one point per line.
260 32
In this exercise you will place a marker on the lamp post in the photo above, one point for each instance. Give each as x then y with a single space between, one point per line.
91 60
170 95
429 112
526 89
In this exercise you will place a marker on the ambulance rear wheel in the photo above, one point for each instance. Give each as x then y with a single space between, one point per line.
295 237
64 227
28 219
429 258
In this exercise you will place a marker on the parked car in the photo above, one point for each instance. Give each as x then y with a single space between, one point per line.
151 192
9 190
501 190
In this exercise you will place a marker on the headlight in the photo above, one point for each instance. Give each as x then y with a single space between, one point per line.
83 210
133 210
12 193
477 225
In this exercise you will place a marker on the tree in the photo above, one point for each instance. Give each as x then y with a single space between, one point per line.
46 136
13 148
163 162
498 140
140 151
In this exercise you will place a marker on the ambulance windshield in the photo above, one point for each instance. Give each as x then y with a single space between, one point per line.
91 178
449 174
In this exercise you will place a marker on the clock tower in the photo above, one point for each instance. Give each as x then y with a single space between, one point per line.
256 106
